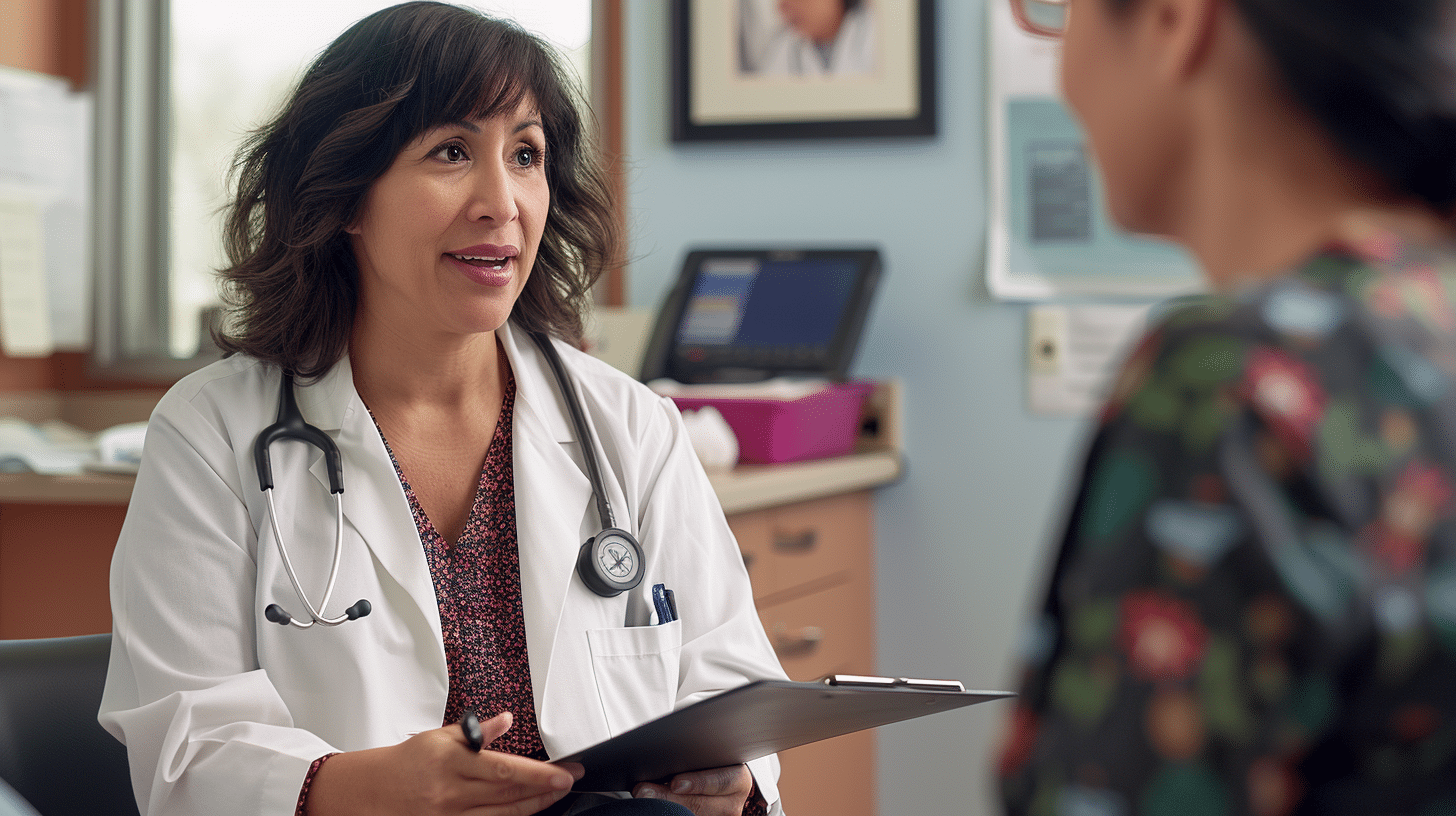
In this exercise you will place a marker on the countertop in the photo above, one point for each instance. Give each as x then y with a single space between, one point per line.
748 487
876 461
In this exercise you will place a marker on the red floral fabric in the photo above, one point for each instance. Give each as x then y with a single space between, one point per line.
1253 610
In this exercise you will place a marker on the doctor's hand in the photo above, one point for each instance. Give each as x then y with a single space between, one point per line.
714 792
434 773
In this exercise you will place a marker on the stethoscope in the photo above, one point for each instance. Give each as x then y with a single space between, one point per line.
609 563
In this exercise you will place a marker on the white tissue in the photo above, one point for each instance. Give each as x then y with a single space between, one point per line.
784 389
712 438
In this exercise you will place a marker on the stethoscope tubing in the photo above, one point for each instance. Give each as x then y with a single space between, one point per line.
578 421
291 425
315 614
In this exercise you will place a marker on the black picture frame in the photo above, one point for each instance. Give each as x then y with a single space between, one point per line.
915 47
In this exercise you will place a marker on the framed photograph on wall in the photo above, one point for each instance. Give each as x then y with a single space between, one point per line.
792 69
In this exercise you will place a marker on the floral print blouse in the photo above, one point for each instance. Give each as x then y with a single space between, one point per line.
1253 610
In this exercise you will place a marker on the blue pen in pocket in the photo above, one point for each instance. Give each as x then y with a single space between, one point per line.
662 601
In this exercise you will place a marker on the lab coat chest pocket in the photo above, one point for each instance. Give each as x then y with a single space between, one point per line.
636 672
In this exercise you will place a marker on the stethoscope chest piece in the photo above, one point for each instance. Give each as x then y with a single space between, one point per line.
610 562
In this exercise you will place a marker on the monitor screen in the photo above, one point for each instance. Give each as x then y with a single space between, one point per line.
747 314
765 302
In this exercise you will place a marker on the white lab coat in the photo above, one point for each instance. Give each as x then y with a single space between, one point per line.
853 52
222 712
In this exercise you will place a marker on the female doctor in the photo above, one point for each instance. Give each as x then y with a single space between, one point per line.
422 205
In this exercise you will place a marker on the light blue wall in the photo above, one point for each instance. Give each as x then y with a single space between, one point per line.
962 538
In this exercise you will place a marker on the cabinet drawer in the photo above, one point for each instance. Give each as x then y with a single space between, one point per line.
812 539
800 548
812 568
828 632
754 533
834 776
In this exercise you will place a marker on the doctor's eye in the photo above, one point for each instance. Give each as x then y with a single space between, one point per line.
528 156
452 152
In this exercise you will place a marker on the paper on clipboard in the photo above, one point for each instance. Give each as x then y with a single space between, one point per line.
752 721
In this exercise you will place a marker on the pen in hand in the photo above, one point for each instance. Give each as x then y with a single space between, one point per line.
475 741
470 724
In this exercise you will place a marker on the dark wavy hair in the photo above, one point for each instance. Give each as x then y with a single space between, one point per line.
1378 75
292 283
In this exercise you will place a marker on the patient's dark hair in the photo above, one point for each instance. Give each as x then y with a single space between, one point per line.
292 283
1378 75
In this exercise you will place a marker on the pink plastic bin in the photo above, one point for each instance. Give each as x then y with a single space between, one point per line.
813 427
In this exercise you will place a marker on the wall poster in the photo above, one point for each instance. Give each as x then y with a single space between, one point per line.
1049 234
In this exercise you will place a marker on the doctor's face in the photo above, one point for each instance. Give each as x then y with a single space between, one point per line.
447 236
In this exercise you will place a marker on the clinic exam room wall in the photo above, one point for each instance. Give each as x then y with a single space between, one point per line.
961 540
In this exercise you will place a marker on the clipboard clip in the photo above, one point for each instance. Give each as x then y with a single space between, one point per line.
870 681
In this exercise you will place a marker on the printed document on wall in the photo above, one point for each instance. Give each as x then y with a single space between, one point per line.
1050 235
25 326
45 173
1074 353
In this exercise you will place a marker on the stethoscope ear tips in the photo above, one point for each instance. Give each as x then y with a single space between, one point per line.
275 613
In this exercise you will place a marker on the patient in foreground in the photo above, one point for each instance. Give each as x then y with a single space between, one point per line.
1253 608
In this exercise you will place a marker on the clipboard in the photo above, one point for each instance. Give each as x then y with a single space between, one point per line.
762 718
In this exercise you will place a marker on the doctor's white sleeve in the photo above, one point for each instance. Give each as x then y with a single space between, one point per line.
724 644
205 729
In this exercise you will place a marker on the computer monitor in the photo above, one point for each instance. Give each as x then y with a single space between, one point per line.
740 315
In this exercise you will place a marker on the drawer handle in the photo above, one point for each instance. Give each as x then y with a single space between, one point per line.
796 543
801 642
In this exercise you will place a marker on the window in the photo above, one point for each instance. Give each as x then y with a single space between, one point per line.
180 83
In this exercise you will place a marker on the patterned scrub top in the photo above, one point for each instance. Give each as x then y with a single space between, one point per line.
1253 610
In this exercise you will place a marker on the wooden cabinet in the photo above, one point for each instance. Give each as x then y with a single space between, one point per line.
811 564
55 562
812 568
805 529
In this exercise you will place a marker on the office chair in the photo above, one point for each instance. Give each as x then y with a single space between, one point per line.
52 750
12 803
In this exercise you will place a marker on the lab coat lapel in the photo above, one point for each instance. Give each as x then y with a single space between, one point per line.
553 496
374 504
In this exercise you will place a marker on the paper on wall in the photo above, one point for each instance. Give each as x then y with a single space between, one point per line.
25 324
1075 352
1049 234
45 163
